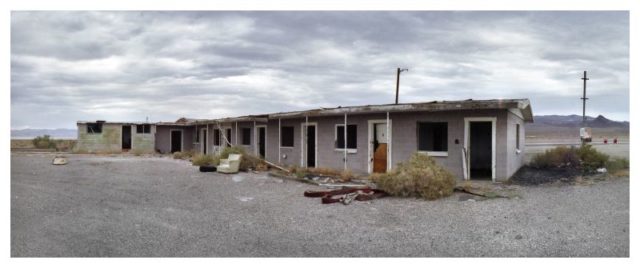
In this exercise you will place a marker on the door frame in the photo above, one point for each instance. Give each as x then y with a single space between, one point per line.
171 139
467 137
204 140
257 139
370 125
130 138
303 148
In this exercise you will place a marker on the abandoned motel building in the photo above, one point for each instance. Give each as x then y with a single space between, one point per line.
474 139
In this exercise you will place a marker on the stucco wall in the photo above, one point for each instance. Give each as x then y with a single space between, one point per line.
109 141
514 159
163 138
404 136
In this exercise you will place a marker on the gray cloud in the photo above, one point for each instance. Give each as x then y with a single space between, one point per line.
68 66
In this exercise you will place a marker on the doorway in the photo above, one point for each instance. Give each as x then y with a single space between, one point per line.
176 141
126 138
310 146
480 143
262 141
379 145
203 140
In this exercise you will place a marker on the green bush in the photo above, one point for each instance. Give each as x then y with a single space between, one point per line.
591 159
560 156
205 160
248 161
585 158
44 142
421 176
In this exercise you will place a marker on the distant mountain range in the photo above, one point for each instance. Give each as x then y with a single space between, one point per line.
58 133
576 121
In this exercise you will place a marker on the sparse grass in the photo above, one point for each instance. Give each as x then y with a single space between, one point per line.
183 155
421 176
618 167
205 160
44 142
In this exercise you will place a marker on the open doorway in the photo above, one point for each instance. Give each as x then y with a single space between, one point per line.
480 144
203 140
176 141
126 138
262 141
309 146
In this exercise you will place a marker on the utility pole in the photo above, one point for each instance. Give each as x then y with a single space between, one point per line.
584 97
398 82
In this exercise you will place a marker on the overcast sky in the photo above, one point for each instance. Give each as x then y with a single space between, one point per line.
69 66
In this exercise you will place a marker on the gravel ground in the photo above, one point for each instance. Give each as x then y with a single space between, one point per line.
137 206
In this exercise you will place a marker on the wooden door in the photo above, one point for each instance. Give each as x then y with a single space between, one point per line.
380 148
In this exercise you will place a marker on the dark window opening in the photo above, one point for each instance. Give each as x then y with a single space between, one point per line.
146 128
517 136
94 128
216 137
432 137
286 137
246 136
352 136
197 137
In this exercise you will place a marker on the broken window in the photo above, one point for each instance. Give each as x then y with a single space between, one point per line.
246 136
94 128
216 137
197 135
144 128
517 136
352 136
286 138
432 136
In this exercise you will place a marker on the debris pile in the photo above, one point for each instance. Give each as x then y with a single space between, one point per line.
346 195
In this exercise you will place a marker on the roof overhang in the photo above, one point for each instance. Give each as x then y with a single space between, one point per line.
436 106
248 118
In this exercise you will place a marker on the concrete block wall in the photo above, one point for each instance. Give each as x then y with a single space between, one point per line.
143 142
109 141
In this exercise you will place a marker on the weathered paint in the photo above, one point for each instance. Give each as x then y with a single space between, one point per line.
163 138
110 140
404 140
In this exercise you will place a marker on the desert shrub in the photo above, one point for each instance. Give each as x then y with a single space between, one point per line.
205 160
248 161
560 156
183 155
616 165
585 158
421 176
44 142
591 159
